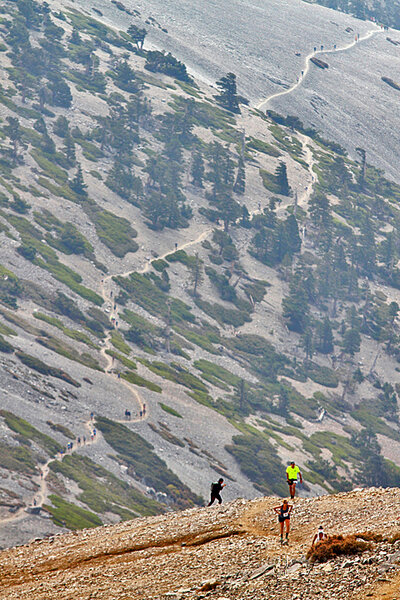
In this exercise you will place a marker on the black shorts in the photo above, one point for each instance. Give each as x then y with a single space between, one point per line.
291 481
283 519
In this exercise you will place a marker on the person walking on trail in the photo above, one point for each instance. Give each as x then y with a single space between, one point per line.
283 511
320 536
291 475
216 489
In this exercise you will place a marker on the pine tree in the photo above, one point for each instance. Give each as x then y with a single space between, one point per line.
61 93
69 149
78 184
295 305
75 37
227 96
351 341
138 35
307 341
282 179
196 274
324 337
197 169
240 182
14 132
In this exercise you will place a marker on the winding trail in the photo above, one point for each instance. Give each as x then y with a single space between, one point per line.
307 64
41 494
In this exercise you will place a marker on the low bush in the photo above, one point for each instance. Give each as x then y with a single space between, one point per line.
142 382
69 352
144 464
159 264
5 346
61 429
337 545
18 458
222 315
29 432
261 146
146 294
102 491
118 342
170 410
38 365
214 370
182 257
66 514
115 232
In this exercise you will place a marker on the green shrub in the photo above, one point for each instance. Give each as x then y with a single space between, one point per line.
29 432
159 264
118 342
223 315
61 429
177 374
5 346
115 232
70 278
141 381
182 257
214 370
18 458
49 168
146 294
197 337
37 365
69 352
170 410
323 375
264 147
125 361
79 336
102 491
66 514
259 461
138 454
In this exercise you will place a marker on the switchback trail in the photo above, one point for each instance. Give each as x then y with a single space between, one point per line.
41 494
307 63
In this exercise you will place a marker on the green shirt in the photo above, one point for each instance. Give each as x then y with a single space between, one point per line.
292 472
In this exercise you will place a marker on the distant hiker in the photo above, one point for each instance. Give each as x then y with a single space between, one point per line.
176 246
84 439
320 536
144 409
119 375
283 511
111 294
34 502
216 489
91 416
94 431
140 413
79 441
291 475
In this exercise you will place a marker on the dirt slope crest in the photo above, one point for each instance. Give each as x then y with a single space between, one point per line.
230 551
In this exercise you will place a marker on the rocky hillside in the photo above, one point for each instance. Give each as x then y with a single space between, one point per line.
189 288
219 553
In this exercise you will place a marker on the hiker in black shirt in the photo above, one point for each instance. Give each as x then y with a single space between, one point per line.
216 491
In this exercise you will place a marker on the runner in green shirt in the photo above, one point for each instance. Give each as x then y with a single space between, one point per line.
291 475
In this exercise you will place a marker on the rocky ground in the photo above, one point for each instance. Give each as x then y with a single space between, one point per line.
220 553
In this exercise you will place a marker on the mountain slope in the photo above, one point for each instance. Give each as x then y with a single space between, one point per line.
213 293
